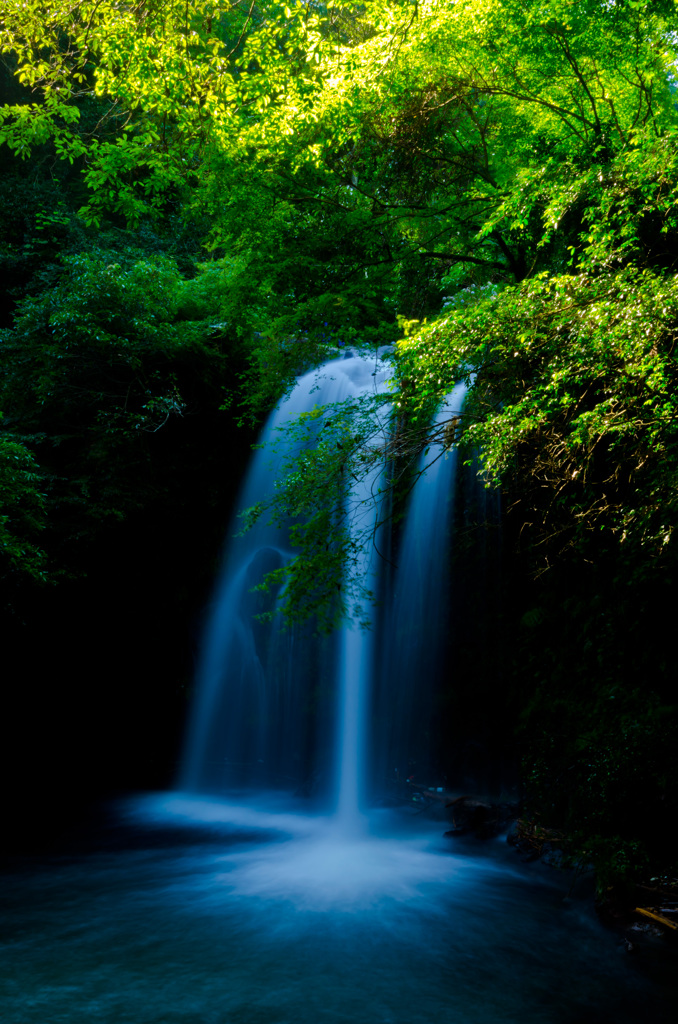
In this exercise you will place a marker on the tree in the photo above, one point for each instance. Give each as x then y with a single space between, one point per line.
96 370
358 164
22 504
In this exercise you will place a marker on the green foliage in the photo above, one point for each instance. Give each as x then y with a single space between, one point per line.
177 79
574 374
100 320
22 505
325 450
618 862
594 668
350 167
99 364
301 279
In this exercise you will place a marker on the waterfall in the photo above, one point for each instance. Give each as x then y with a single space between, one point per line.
414 621
285 709
355 673
267 700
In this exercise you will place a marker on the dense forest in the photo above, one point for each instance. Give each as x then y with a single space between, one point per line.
201 201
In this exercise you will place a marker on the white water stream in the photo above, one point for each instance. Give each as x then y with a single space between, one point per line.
252 724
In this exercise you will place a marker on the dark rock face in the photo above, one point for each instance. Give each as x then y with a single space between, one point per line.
471 816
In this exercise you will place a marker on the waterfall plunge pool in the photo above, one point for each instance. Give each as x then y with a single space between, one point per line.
198 911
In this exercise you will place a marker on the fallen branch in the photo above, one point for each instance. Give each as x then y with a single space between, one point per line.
657 917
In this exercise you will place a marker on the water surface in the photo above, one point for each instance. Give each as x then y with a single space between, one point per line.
207 912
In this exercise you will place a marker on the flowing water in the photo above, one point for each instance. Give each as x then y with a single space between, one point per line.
344 719
413 625
253 909
190 911
281 708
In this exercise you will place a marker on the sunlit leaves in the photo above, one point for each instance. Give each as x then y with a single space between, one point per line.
175 80
356 164
574 383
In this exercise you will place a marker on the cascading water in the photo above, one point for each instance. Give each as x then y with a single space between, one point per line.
205 910
414 622
260 717
356 661
251 723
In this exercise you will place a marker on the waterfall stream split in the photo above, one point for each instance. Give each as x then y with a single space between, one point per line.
251 723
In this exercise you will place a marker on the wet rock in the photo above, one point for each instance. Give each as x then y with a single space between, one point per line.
552 855
535 842
470 815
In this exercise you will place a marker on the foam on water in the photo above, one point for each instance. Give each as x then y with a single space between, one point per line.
202 912
314 863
